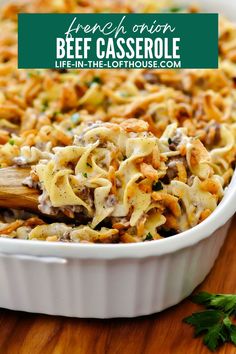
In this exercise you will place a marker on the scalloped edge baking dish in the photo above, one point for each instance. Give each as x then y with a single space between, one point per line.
124 280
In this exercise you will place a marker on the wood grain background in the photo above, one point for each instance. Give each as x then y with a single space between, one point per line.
164 333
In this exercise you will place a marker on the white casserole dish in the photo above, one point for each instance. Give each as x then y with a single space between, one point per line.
124 280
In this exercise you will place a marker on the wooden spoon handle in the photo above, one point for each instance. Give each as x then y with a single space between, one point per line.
12 192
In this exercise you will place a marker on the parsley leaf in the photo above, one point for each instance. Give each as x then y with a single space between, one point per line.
214 337
210 323
204 320
11 141
202 298
218 301
45 105
224 302
215 323
149 237
176 9
233 334
95 80
157 186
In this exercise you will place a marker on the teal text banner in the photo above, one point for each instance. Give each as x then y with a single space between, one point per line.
68 41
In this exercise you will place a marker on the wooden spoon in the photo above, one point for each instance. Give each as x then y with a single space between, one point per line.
12 192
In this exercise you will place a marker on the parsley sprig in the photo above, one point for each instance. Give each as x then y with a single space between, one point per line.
216 322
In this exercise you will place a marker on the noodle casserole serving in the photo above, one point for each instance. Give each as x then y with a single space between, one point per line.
117 155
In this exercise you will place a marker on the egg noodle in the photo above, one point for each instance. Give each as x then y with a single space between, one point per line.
117 155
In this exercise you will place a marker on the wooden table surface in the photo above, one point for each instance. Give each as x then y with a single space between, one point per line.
162 333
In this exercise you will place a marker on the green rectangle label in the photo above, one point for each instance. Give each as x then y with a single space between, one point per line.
118 41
